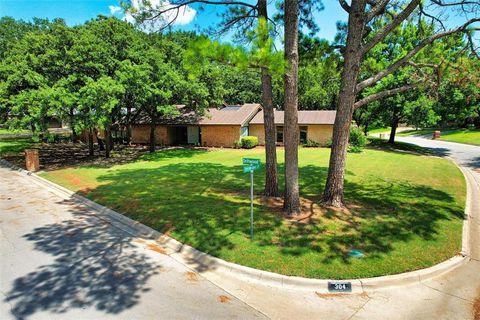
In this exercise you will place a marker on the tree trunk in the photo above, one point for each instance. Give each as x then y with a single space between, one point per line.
291 204
333 194
108 141
91 151
393 130
101 145
129 125
271 181
153 125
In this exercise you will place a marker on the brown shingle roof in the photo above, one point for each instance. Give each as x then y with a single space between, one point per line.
304 117
230 115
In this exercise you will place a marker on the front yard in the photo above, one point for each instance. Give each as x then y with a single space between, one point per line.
405 211
457 135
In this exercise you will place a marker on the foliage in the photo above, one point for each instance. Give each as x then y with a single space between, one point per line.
249 142
357 139
311 144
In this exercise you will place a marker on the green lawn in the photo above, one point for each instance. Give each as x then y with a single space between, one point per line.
14 146
8 131
379 130
457 135
406 211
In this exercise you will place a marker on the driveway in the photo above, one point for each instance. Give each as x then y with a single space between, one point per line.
61 261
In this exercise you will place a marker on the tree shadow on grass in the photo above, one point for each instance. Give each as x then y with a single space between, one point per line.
206 205
94 265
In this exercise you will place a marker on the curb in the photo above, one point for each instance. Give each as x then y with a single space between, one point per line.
215 269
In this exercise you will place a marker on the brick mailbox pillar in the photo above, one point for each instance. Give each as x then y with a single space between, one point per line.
32 162
436 134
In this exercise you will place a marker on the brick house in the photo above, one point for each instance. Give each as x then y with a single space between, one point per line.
224 126
316 125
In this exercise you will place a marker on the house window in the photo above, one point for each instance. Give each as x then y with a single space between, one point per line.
243 131
280 134
303 134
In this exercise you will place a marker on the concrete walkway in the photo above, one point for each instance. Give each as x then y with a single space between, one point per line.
60 261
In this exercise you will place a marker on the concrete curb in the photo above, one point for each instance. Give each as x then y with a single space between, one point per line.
215 269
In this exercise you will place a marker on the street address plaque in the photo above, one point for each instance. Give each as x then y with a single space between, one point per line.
339 286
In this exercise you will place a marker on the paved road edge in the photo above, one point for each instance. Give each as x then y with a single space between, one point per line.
214 269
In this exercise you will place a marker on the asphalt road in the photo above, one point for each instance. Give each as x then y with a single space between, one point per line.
60 261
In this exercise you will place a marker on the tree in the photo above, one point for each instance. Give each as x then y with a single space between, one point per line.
360 41
291 205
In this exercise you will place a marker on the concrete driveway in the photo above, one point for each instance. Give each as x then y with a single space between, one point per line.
60 261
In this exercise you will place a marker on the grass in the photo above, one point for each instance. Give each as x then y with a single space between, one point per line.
405 211
4 131
467 136
379 130
14 146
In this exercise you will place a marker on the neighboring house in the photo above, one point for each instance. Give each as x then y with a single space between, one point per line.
218 128
316 125
224 126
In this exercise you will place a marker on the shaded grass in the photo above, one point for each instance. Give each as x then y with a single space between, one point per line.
405 211
457 135
15 146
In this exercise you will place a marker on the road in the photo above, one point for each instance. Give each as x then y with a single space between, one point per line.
60 261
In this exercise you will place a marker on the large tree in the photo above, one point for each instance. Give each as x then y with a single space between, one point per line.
359 41
291 204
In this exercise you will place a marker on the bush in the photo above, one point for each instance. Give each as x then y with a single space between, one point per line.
311 144
357 138
329 143
249 142
237 144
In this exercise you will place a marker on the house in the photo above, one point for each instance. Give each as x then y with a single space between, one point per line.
315 125
222 127
218 128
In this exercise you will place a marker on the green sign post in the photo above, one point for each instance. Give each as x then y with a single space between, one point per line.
250 165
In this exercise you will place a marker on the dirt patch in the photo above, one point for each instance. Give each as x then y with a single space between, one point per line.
191 276
476 309
155 247
223 299
309 208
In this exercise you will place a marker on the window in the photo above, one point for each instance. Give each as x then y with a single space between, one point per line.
243 132
303 134
280 134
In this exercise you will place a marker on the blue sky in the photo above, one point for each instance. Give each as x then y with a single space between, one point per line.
78 11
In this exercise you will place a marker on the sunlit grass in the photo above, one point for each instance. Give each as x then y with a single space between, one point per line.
405 211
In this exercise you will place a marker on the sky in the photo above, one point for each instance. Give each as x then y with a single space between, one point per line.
78 11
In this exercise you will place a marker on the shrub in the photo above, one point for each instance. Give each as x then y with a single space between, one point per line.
249 142
311 144
357 138
329 143
237 144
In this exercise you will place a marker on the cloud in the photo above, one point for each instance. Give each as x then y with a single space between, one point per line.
114 9
181 16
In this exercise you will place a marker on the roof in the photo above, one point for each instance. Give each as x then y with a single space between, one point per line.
304 117
229 115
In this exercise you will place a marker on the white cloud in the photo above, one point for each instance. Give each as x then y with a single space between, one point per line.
114 9
181 16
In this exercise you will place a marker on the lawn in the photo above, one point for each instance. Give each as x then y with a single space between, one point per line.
4 131
14 146
458 135
405 211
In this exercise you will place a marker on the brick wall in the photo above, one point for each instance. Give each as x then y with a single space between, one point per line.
219 136
258 131
320 132
141 134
